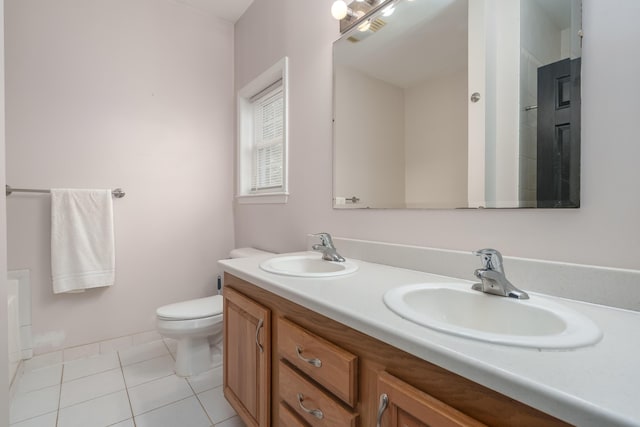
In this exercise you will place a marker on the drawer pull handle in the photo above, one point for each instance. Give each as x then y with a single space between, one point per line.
315 412
260 323
384 402
315 362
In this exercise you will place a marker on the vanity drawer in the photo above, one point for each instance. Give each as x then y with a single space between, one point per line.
288 418
333 367
306 400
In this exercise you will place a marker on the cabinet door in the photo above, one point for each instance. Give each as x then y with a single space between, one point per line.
247 358
401 405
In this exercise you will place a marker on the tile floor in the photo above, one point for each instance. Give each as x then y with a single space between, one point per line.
135 387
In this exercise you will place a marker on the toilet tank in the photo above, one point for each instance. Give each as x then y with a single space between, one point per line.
247 252
242 253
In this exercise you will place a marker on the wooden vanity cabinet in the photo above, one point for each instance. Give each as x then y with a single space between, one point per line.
247 358
401 405
420 393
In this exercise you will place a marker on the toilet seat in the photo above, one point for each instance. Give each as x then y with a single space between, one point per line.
194 309
171 327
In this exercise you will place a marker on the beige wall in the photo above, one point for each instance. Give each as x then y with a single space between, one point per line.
371 161
436 141
135 94
368 164
604 231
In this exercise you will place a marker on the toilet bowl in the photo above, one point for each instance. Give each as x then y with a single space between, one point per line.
195 325
191 323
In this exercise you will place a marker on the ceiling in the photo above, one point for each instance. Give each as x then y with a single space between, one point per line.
421 41
229 10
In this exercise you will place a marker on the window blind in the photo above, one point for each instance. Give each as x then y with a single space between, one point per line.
268 149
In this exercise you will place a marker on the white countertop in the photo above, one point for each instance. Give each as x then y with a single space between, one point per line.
592 386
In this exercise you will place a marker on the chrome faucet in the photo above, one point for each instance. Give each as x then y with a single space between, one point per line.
329 252
493 279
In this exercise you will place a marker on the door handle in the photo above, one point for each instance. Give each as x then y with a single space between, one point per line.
384 402
260 324
315 412
313 362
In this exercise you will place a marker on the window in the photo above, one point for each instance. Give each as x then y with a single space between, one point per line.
268 112
262 138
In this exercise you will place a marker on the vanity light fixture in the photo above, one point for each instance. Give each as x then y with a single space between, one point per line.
339 9
352 13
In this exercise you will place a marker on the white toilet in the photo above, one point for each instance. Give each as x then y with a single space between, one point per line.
194 324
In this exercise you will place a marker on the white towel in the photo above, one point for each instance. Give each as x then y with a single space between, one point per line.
82 240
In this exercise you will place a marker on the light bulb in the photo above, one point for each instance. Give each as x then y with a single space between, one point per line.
339 9
365 25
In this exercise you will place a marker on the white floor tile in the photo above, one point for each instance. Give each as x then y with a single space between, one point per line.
80 351
157 393
47 420
93 393
43 361
207 380
90 387
185 413
127 423
231 422
145 337
143 352
89 366
216 405
148 370
34 403
101 412
40 378
116 344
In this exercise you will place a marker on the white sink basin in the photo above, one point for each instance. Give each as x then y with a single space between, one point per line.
307 265
455 309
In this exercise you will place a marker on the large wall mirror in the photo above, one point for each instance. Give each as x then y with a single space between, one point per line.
459 104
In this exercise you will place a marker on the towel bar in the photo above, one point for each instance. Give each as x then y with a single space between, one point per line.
117 193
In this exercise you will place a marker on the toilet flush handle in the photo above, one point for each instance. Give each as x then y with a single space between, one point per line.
258 334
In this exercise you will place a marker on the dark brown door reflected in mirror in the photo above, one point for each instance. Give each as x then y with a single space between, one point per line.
558 162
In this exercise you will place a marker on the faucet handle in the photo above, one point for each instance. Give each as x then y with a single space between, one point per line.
325 238
491 259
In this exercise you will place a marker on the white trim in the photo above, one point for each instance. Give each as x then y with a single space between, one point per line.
264 198
279 70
